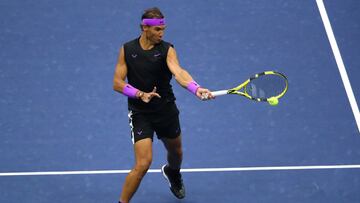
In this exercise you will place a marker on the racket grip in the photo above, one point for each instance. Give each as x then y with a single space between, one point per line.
216 93
219 93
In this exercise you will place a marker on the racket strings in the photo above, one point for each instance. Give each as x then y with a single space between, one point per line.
266 86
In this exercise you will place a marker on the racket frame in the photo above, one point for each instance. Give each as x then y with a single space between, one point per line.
236 90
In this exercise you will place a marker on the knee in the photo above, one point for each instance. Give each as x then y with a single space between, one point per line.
143 165
177 152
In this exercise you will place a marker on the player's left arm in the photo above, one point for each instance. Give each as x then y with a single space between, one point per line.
181 75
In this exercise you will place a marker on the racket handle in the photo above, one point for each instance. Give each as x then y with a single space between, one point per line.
219 93
216 93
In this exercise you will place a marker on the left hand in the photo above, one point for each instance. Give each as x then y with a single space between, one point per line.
204 94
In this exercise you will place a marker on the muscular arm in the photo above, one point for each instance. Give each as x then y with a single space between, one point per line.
181 75
120 72
120 76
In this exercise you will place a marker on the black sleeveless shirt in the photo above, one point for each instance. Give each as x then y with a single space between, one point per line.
148 69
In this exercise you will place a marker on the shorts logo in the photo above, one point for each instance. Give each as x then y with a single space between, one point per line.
134 55
139 132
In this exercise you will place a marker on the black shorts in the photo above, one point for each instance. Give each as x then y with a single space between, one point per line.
165 123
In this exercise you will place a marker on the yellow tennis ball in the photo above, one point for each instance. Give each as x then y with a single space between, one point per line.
273 101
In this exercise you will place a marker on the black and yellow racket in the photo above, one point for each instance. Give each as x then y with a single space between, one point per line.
268 86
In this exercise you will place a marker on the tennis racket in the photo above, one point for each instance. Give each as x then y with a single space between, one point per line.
268 86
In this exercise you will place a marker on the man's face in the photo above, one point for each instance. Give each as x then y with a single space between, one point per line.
155 33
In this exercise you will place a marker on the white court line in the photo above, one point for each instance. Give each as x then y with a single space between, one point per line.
339 61
265 168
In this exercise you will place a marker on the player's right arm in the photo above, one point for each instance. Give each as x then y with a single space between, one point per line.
120 72
120 83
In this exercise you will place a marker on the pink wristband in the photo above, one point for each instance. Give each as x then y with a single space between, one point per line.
130 91
192 87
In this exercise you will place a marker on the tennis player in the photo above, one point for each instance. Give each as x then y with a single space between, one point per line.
149 63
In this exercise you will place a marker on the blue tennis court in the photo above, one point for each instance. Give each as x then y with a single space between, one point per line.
64 131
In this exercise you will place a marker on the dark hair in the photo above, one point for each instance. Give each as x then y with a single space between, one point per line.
152 13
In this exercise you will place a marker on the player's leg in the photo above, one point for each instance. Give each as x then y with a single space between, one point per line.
171 137
174 152
167 127
171 171
143 158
